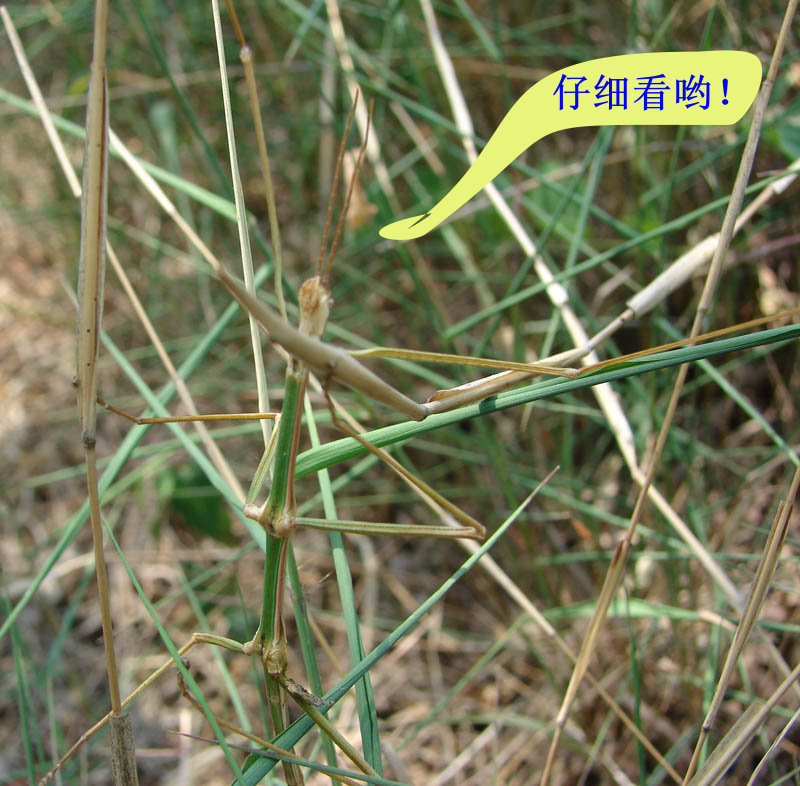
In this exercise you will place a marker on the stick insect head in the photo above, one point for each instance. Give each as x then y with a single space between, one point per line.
314 296
315 306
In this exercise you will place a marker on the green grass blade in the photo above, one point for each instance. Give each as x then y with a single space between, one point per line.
117 462
334 452
365 700
173 651
301 727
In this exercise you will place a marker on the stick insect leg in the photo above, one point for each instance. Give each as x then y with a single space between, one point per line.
229 726
473 529
186 418
89 733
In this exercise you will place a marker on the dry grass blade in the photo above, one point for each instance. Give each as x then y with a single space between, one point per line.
91 274
776 746
755 601
90 309
241 223
653 293
750 723
616 572
183 392
246 56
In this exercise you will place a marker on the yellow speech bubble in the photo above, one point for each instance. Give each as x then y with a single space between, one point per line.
666 88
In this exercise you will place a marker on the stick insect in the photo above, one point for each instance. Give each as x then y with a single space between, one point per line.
307 351
277 515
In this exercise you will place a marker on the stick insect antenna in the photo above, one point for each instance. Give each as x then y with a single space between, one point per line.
323 272
340 223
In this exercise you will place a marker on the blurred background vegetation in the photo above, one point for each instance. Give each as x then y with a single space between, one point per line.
579 193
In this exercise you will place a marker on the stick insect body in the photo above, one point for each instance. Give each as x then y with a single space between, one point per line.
326 360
